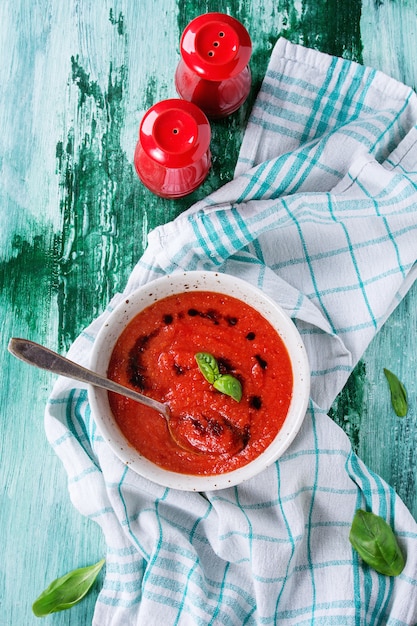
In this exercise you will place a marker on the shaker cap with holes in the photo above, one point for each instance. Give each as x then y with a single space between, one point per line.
172 156
175 133
216 46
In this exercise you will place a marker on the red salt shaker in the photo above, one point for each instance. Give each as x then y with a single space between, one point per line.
213 71
172 156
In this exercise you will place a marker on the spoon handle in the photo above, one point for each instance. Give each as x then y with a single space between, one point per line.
39 356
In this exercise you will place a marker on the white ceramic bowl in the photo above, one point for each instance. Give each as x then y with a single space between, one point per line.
199 281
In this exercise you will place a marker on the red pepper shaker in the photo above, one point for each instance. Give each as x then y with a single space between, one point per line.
213 71
172 156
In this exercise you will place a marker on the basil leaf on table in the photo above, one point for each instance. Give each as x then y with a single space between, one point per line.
66 591
376 544
229 385
398 394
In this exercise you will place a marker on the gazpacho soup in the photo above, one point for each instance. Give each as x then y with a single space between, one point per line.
222 369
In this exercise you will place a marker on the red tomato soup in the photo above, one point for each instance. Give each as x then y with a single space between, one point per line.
211 433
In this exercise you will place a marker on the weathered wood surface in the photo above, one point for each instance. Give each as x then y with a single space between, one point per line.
75 79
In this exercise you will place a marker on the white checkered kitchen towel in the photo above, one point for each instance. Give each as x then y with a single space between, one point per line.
321 215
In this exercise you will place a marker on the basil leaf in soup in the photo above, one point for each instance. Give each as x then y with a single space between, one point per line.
229 385
208 366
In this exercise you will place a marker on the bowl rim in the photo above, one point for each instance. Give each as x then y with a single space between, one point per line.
179 282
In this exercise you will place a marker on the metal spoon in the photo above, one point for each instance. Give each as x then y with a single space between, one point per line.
39 356
46 359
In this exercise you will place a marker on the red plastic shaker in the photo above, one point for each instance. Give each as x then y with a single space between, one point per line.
213 71
172 156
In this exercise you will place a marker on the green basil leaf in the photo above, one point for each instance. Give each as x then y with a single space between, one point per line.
225 383
229 385
208 366
376 543
67 590
398 394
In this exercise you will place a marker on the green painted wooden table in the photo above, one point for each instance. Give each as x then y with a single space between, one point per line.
75 80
